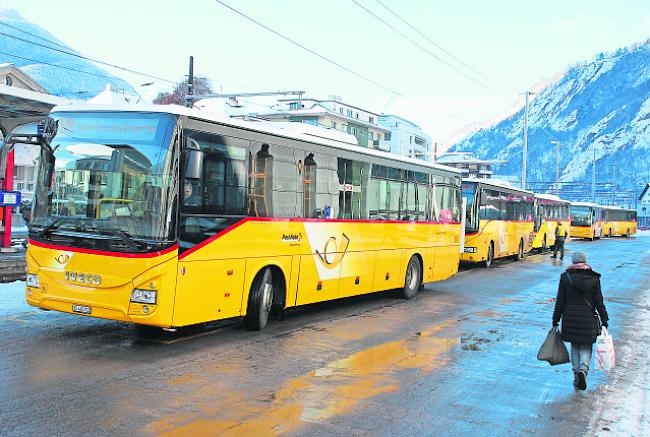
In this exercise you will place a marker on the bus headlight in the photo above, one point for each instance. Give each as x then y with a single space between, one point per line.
143 296
32 280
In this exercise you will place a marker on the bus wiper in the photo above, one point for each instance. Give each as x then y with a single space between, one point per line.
47 229
126 239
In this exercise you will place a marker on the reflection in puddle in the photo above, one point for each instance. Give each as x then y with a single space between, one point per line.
333 389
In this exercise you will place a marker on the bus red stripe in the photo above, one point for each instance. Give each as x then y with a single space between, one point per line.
103 252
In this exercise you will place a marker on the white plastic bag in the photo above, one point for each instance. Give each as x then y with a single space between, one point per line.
605 355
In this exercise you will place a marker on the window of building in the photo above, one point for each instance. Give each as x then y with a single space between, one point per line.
334 124
411 139
356 115
387 136
295 105
311 121
371 119
349 112
341 111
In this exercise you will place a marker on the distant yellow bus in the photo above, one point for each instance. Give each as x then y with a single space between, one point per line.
586 220
618 221
498 222
549 211
167 216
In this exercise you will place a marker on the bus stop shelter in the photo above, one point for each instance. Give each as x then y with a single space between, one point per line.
17 106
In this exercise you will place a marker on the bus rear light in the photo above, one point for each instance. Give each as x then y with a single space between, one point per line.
144 296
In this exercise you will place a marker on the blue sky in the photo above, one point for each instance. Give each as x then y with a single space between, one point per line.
517 44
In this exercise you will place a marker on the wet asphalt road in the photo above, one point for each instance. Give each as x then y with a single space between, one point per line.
458 359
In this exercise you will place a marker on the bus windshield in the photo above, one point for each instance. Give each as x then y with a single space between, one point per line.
110 176
580 216
469 193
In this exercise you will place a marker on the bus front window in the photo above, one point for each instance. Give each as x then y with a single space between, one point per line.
581 216
110 176
471 213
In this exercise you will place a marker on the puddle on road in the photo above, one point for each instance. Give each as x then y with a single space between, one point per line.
333 389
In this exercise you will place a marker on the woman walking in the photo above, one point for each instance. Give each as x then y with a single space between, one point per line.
578 299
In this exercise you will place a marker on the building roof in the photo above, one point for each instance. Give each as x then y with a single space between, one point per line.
271 128
317 111
10 69
338 102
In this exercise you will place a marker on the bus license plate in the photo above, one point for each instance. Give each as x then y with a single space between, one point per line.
469 249
83 309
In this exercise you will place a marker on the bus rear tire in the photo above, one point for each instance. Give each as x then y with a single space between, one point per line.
544 247
609 234
260 301
490 256
628 234
520 251
412 278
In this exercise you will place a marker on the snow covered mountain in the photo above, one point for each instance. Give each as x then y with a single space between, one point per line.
60 74
601 105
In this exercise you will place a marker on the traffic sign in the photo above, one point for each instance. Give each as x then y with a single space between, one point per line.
9 198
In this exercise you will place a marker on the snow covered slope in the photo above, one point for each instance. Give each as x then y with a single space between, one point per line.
34 60
603 104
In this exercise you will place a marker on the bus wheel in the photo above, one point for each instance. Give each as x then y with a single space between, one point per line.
490 257
520 252
627 234
412 278
609 234
260 300
544 248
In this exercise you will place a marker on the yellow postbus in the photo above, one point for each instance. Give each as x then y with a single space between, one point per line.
549 211
168 216
618 221
498 222
586 220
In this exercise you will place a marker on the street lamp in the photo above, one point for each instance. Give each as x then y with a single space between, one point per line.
557 166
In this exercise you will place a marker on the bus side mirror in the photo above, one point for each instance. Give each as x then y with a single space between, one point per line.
194 164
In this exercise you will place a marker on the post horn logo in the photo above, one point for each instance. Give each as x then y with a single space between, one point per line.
62 259
333 252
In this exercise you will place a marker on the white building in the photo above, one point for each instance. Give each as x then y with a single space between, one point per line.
407 138
332 114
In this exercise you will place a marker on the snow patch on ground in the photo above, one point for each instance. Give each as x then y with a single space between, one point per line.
624 404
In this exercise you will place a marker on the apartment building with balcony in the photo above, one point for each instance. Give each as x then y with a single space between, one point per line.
407 138
332 114
470 166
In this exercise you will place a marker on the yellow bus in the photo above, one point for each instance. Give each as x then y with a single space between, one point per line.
498 222
618 221
586 220
167 216
549 211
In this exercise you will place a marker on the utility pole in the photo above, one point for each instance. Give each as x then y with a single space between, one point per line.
557 166
593 176
190 81
525 146
435 151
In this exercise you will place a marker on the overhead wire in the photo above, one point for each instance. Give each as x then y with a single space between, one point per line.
98 61
429 52
313 52
447 52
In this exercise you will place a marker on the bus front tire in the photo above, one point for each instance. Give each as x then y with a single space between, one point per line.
490 256
412 278
260 301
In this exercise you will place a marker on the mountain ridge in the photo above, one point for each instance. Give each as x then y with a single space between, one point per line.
602 105
87 81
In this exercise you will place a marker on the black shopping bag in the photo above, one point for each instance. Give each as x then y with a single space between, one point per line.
553 349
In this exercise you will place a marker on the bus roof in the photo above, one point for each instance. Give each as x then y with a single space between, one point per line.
257 126
550 197
585 204
497 184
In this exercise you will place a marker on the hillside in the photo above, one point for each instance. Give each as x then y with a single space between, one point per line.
40 62
603 104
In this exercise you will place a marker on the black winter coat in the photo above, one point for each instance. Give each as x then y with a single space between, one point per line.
579 324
